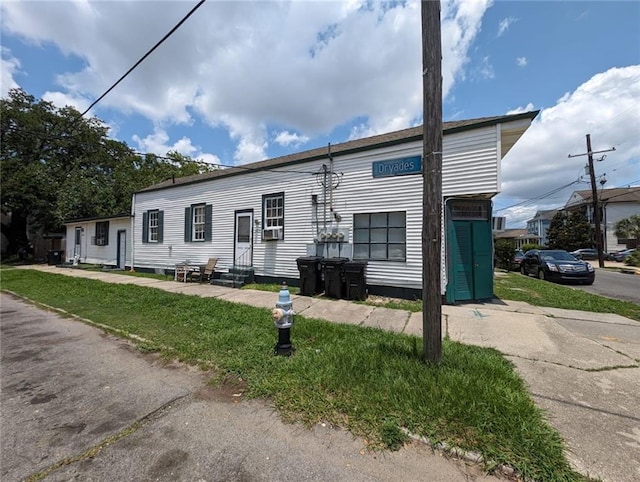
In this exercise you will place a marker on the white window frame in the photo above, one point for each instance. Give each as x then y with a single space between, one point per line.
153 226
273 209
363 235
198 217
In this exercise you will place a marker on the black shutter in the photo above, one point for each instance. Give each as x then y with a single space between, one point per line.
145 227
160 226
187 224
106 233
208 218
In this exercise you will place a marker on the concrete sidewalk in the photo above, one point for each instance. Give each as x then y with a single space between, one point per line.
583 368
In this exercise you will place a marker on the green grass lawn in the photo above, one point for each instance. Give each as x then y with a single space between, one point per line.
516 287
372 382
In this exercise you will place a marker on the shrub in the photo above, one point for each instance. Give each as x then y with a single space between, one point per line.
527 247
503 251
633 259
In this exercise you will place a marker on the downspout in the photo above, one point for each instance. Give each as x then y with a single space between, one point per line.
133 230
324 197
330 182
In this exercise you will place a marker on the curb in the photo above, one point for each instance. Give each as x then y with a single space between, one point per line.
468 456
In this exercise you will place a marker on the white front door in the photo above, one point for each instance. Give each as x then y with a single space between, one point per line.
243 239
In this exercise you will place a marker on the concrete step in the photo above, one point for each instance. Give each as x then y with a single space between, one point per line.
229 283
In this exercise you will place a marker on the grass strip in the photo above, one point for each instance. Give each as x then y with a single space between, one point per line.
515 287
370 381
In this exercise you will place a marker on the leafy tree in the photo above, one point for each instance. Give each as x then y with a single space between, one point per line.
504 250
629 228
570 230
57 165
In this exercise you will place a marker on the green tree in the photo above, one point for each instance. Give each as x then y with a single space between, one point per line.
56 165
629 229
526 247
504 249
570 230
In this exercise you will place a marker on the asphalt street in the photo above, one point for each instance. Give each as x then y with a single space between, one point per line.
613 284
78 404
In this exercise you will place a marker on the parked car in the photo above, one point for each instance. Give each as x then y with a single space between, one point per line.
517 259
610 256
621 255
557 265
585 253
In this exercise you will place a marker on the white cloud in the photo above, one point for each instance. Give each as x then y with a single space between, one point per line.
504 24
286 138
518 110
158 142
305 66
521 61
485 70
61 99
606 107
9 66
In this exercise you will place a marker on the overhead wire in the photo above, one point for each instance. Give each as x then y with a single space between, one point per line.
540 197
24 133
142 59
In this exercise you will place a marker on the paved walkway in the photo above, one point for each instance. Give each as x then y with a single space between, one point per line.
583 368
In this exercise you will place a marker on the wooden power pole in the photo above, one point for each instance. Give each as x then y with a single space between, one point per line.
594 197
432 181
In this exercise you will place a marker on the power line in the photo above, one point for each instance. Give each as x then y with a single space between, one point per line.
24 133
176 27
538 198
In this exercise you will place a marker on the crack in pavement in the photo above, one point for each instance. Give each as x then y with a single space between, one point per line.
96 449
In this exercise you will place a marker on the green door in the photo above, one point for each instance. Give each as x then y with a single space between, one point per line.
482 260
470 261
462 262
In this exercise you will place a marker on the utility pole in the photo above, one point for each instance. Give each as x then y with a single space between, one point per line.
594 196
432 181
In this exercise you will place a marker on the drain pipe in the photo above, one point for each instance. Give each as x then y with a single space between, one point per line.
133 230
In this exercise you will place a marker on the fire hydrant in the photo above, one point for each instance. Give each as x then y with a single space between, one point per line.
283 321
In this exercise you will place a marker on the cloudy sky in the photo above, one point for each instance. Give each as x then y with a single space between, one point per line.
243 81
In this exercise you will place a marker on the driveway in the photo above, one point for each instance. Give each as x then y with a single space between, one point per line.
78 404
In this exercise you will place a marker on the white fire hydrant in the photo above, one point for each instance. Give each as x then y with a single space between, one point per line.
283 321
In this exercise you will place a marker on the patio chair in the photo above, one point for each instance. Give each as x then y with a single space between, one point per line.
206 274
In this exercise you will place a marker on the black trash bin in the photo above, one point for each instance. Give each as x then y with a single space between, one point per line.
355 276
310 275
333 277
54 257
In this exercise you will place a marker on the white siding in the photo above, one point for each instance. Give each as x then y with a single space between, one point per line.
613 213
469 167
470 162
92 254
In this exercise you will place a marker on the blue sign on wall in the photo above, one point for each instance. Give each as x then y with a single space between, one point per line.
397 167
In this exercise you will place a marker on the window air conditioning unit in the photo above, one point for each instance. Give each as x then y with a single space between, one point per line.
100 242
271 234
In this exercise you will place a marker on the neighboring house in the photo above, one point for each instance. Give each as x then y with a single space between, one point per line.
615 204
498 223
539 225
105 241
520 237
361 199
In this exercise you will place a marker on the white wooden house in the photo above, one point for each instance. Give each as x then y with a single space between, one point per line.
615 204
360 199
105 241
